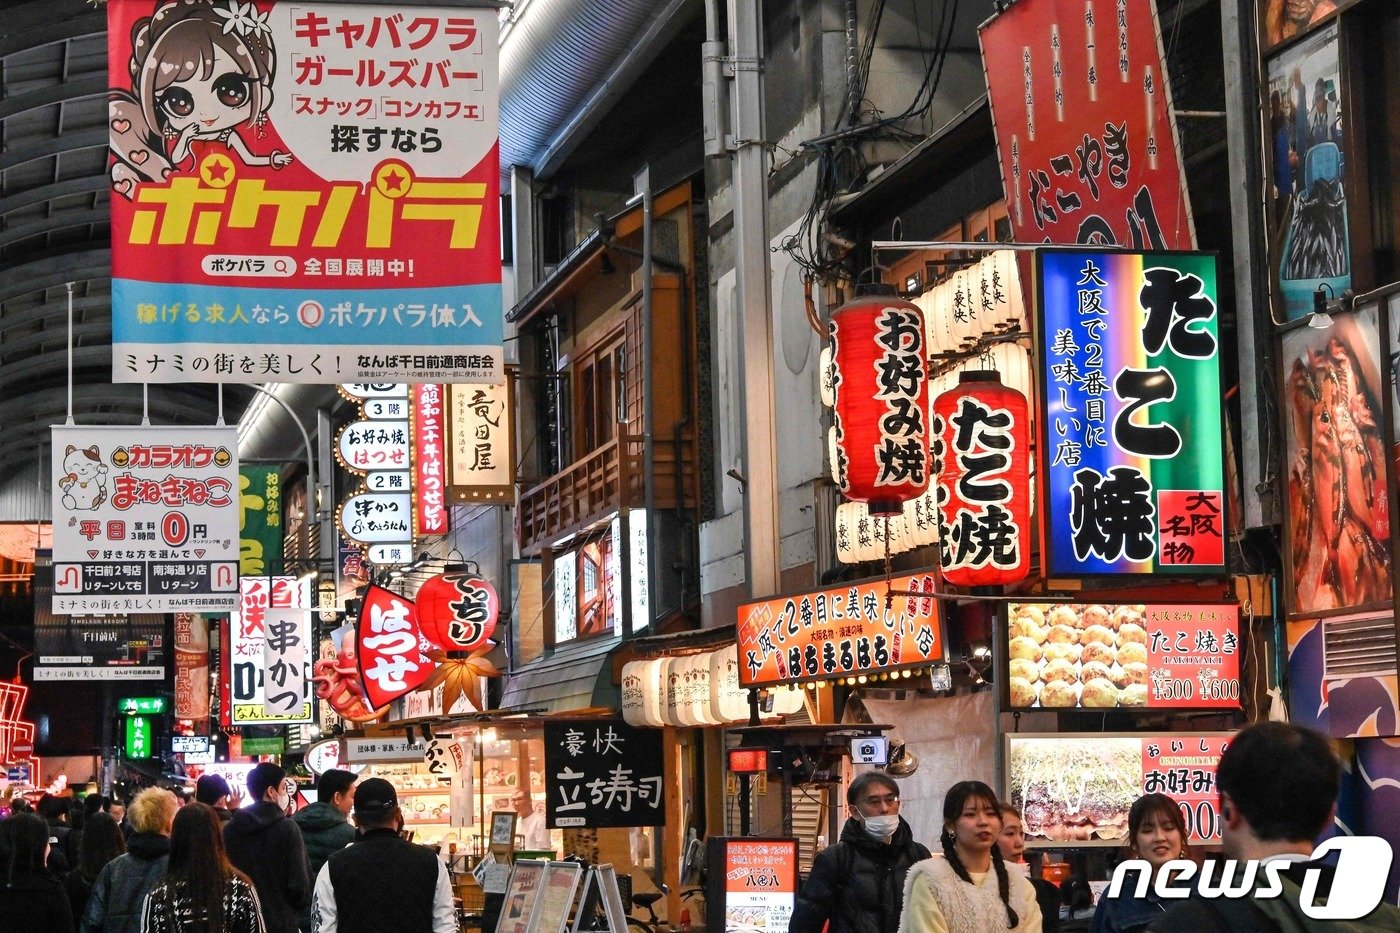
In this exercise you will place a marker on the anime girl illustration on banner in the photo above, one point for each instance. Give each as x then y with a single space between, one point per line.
201 75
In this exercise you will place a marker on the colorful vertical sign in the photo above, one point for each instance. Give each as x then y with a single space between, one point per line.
379 515
285 660
259 520
191 666
430 513
145 519
480 453
303 192
140 742
260 600
1132 454
1082 110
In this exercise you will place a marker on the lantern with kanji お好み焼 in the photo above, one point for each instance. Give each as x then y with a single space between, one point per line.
879 382
458 611
981 451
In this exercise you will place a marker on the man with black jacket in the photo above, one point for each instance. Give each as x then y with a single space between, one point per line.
858 884
265 845
1278 788
382 882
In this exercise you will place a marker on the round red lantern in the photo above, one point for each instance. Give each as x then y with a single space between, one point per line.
457 611
981 456
879 379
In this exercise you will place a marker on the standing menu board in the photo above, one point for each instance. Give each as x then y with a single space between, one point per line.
756 890
522 896
556 897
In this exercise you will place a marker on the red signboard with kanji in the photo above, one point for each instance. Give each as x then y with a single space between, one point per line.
1082 112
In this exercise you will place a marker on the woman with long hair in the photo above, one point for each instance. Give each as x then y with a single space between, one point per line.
31 899
1012 843
1156 834
102 842
202 892
967 888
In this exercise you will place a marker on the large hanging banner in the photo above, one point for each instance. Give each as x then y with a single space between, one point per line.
260 520
1132 451
145 519
1082 113
303 192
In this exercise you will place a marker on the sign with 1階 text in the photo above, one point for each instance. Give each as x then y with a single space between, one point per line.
841 631
1077 788
602 772
145 519
1132 449
303 192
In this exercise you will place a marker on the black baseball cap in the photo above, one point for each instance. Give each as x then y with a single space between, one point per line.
375 795
210 788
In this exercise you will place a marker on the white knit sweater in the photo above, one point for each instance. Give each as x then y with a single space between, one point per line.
936 900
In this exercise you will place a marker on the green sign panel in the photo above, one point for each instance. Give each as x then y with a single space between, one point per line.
273 746
145 706
139 742
260 520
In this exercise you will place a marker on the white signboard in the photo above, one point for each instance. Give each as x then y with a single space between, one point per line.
246 669
374 445
480 459
285 636
383 749
145 519
638 575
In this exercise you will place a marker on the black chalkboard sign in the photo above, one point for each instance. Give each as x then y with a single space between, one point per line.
602 772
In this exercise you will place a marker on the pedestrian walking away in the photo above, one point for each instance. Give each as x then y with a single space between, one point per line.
382 882
855 886
122 886
202 891
102 842
325 825
32 900
265 845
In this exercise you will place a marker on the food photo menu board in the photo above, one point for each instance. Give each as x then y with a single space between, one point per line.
1103 655
1077 788
756 891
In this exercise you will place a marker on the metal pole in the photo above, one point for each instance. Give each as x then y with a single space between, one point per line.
750 183
310 451
648 398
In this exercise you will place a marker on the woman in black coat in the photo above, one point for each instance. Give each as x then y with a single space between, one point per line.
32 900
102 842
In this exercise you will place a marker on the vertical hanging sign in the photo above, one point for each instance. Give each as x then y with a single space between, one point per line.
263 602
430 515
260 520
379 515
1133 459
303 192
480 456
191 666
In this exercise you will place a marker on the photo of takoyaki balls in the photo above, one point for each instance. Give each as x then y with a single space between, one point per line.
1134 615
1024 648
1131 631
1062 651
1133 695
1098 633
1093 670
1132 653
1094 615
1059 694
1060 670
1118 676
1023 692
1098 651
1024 669
1099 694
1063 615
1027 626
1031 612
1135 672
1063 633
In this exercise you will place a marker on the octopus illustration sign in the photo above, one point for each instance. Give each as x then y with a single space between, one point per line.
145 519
303 192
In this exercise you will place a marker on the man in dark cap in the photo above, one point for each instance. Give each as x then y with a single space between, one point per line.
382 882
213 790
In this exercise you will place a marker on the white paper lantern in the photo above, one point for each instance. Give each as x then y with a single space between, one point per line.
671 692
786 701
700 690
728 701
634 693
655 693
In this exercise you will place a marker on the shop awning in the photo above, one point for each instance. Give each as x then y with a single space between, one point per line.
579 679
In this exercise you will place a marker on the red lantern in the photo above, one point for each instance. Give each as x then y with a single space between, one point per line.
880 381
458 611
981 452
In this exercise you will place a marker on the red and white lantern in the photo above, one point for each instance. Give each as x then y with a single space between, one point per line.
458 611
981 452
879 381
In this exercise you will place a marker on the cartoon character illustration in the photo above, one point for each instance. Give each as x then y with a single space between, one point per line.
84 481
200 70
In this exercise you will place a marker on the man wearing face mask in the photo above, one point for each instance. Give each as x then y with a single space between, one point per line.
858 884
266 845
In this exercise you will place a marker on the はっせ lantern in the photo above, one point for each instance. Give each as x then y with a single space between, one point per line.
879 381
981 451
458 611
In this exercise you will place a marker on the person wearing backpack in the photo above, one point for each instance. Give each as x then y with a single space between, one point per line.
857 885
1278 786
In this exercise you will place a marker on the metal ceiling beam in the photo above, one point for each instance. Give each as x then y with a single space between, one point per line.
66 142
13 375
31 197
57 223
51 271
99 328
14 319
80 89
18 410
35 25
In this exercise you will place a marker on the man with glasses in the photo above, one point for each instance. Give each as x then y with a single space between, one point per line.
857 885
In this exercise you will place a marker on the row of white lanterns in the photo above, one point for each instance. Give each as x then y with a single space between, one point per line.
693 690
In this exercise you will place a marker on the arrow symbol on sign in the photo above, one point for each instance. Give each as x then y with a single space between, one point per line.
199 552
92 555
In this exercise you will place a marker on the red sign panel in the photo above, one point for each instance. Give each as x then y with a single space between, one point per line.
390 647
429 461
1082 111
844 631
1098 656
